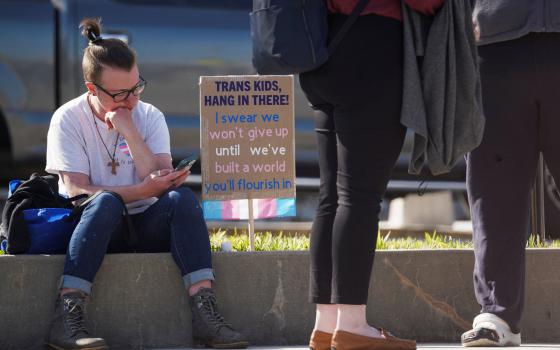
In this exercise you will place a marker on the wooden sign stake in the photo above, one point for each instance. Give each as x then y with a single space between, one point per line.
251 224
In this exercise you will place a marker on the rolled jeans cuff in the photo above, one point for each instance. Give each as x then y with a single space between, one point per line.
197 276
67 281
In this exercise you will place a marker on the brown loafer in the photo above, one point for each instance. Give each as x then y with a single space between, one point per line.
349 341
320 340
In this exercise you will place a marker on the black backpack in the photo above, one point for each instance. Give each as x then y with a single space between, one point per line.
36 193
290 36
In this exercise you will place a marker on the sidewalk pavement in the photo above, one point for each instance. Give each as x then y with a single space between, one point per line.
420 346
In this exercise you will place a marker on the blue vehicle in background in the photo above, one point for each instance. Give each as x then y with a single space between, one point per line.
176 41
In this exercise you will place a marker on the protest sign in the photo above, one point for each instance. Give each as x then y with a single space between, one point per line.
247 137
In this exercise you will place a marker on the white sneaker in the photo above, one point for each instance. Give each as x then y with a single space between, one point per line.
490 330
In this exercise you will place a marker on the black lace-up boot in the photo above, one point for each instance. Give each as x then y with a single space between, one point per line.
209 327
68 330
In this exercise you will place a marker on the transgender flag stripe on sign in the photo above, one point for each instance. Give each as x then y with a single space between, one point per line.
238 209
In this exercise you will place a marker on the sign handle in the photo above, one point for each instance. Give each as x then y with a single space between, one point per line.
251 224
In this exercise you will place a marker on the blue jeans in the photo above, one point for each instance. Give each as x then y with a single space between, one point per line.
173 223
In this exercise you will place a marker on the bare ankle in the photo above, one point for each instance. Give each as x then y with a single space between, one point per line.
193 289
326 316
69 290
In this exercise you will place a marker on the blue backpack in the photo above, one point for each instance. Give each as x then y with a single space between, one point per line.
34 210
37 220
290 36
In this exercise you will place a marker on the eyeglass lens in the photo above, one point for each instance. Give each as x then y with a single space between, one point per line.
137 90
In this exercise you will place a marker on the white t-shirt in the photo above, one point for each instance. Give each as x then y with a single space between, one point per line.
74 145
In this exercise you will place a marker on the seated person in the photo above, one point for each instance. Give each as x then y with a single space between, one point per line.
107 139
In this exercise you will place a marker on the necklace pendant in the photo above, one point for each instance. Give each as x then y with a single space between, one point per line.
113 164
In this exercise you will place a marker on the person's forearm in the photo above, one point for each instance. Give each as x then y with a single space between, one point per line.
145 161
129 193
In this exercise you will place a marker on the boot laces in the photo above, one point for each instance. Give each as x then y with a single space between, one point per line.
75 316
209 307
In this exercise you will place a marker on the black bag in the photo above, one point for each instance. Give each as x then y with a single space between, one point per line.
290 36
35 193
41 192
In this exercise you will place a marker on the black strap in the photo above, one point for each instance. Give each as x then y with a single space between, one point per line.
346 26
132 238
76 198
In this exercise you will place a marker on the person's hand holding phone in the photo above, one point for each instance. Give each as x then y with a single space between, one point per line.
162 180
181 176
183 168
187 163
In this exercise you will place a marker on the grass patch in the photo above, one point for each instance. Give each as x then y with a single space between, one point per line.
268 241
263 241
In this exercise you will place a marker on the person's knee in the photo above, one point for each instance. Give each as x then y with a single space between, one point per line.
184 198
361 202
107 203
328 203
101 217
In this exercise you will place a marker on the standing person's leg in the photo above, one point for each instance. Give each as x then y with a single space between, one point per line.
321 231
357 98
366 89
362 80
500 173
548 53
175 222
100 221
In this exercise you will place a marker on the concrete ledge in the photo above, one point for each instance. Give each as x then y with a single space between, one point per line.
138 299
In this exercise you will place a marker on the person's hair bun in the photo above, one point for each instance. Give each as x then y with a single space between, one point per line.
101 53
91 29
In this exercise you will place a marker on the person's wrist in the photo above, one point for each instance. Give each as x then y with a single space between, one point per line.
130 133
126 132
144 190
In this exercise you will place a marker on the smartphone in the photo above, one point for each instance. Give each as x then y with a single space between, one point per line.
187 163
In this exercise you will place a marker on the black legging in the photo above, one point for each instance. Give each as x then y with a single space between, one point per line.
522 108
356 97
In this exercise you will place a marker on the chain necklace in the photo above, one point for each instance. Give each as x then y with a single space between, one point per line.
113 163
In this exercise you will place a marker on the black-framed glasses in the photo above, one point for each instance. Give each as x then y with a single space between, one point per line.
124 94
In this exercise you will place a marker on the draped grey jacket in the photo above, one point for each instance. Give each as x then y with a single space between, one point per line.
442 102
502 20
